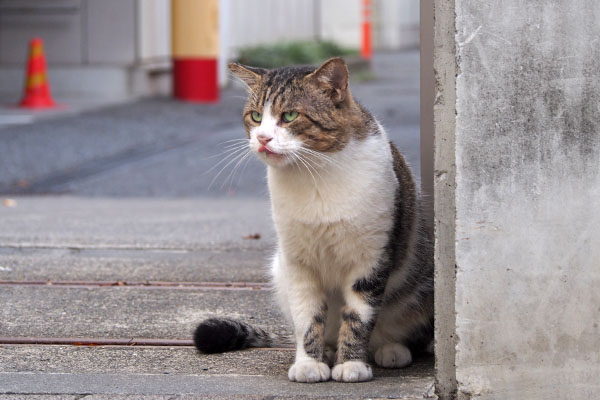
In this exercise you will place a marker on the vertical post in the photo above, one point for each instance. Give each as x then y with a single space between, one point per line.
366 50
444 187
195 48
427 96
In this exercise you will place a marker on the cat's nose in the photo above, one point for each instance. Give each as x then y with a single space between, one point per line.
264 139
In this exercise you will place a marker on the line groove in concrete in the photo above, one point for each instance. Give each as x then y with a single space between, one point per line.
95 341
111 342
220 246
146 284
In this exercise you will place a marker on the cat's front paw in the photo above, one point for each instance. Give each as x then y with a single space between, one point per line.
309 371
393 355
352 371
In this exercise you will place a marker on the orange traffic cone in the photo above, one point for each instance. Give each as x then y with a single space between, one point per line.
366 52
37 88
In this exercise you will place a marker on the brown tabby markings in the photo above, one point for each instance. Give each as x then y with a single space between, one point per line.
313 339
327 118
353 337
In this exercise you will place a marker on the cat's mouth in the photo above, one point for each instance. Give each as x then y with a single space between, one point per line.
268 152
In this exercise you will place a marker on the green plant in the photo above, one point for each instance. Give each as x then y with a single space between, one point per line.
288 53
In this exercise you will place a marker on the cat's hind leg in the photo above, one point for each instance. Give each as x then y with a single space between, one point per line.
386 347
392 355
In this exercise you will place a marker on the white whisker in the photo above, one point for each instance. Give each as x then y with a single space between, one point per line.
233 170
321 156
316 171
233 153
234 159
234 140
228 150
307 167
229 146
243 169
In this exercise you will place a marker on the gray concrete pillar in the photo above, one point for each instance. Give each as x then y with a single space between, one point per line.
517 198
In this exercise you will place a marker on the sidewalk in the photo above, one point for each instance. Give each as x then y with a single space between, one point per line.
104 277
93 270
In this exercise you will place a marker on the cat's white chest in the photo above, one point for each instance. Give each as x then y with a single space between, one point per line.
343 220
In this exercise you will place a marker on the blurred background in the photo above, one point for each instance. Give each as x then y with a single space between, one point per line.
113 67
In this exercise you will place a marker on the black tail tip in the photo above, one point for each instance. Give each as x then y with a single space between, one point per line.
216 335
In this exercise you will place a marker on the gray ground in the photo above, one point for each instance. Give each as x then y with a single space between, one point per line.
164 148
113 235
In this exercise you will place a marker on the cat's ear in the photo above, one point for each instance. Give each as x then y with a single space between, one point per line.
332 76
251 76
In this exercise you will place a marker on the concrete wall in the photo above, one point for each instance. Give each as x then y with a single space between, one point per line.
526 144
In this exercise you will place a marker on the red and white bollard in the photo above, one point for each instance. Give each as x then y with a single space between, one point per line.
195 49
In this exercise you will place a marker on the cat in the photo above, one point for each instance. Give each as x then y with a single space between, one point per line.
353 271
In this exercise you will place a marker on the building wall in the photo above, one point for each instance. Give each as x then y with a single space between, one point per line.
527 195
342 27
20 20
122 47
154 30
396 24
268 21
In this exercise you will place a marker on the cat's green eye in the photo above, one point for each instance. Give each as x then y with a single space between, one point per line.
256 116
290 116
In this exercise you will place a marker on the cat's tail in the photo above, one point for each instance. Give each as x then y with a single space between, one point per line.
218 335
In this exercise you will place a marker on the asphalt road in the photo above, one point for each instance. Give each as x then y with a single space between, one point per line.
160 147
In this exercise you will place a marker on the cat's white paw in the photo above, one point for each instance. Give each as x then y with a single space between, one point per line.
352 371
309 371
329 355
393 355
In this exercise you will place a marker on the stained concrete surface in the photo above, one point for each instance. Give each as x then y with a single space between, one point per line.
134 265
527 197
444 185
147 361
176 224
117 312
223 385
167 360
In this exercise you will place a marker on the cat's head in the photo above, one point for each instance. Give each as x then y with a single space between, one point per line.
294 112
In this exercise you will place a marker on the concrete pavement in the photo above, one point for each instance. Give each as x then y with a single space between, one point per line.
71 267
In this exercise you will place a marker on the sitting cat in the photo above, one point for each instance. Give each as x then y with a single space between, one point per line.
354 267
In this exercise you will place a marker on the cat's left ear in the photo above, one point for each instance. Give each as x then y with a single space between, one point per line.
332 76
251 76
